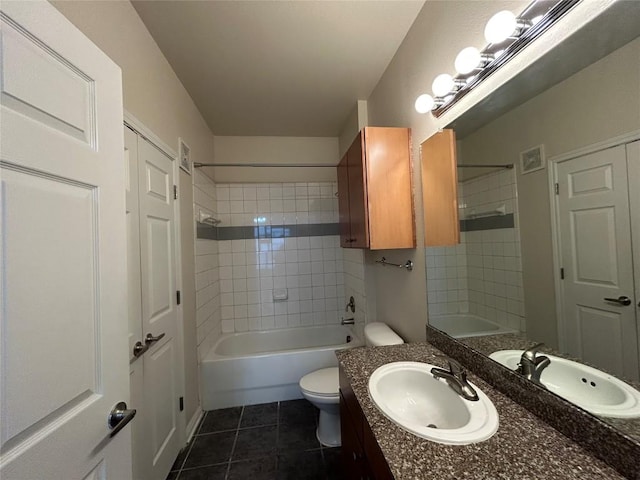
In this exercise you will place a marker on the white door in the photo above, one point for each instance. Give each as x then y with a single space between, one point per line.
140 448
63 319
153 257
599 315
633 166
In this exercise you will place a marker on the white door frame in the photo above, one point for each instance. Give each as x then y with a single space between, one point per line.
135 124
555 217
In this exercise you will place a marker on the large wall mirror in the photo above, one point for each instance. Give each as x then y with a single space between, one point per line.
536 266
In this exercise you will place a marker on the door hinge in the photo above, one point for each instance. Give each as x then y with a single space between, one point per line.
178 297
557 189
181 401
175 192
562 273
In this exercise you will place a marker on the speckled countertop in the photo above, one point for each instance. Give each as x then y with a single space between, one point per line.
524 447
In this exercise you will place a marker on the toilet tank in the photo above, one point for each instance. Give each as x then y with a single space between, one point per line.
378 333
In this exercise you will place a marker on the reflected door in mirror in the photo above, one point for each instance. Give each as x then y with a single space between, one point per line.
595 250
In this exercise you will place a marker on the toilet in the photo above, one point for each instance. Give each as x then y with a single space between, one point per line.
321 387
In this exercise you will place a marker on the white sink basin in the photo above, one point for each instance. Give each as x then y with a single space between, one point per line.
410 396
595 391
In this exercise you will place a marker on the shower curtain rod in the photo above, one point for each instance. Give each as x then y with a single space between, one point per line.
508 165
279 165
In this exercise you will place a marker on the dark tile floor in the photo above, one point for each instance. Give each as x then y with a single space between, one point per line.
273 441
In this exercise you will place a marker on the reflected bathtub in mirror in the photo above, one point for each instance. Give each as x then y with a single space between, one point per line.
459 325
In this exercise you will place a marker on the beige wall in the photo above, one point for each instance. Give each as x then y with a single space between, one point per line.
289 150
155 96
357 120
598 103
440 31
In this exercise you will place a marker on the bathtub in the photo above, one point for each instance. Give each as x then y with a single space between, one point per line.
467 325
266 366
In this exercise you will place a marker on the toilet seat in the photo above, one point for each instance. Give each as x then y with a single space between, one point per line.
321 383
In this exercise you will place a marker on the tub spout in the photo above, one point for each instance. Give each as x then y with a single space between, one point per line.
347 321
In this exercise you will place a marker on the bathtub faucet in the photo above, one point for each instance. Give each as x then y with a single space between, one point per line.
347 321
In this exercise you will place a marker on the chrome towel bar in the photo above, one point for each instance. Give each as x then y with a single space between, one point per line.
408 265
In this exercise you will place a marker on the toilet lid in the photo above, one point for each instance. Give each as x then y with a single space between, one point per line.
321 382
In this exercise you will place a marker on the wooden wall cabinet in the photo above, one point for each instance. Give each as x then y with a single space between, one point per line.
375 195
361 454
440 189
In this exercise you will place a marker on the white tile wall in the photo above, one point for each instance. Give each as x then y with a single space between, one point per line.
208 310
277 203
309 269
354 285
482 275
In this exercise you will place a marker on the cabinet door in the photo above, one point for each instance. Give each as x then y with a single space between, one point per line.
389 188
343 202
440 189
351 450
358 195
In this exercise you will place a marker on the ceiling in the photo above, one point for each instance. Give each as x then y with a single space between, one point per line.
278 68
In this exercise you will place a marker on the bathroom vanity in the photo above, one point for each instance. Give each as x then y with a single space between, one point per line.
376 448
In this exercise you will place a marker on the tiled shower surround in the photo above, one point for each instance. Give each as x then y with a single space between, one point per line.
289 272
208 319
482 275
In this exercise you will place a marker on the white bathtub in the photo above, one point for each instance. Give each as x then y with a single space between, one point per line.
259 367
467 325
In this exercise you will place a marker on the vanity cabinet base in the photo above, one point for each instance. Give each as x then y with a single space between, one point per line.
362 458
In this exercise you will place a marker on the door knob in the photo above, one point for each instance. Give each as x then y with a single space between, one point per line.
151 339
622 300
139 349
119 417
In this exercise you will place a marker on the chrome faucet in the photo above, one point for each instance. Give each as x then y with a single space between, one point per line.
531 365
456 377
347 321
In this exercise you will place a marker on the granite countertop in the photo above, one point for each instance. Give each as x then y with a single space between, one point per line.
524 447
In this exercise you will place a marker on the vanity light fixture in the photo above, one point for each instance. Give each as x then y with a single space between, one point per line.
470 59
474 65
445 84
504 25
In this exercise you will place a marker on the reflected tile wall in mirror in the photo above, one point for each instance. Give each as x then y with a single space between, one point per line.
483 274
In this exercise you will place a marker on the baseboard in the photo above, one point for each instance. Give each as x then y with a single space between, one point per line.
193 423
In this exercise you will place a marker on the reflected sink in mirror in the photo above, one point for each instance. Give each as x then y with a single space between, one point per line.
586 387
410 396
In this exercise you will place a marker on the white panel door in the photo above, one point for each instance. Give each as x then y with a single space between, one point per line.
63 320
633 166
599 317
159 307
140 450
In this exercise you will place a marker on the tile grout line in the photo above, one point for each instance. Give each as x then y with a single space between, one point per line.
235 440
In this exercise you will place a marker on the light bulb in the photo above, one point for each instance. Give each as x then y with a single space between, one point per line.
424 103
442 84
500 27
468 60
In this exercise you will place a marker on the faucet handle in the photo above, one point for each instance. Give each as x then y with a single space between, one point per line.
454 366
530 353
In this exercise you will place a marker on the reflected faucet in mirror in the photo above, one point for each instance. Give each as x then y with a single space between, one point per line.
531 364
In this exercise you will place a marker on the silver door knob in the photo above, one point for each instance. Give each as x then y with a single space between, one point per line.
151 339
119 417
139 349
622 300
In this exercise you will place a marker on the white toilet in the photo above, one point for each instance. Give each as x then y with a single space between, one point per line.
321 387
